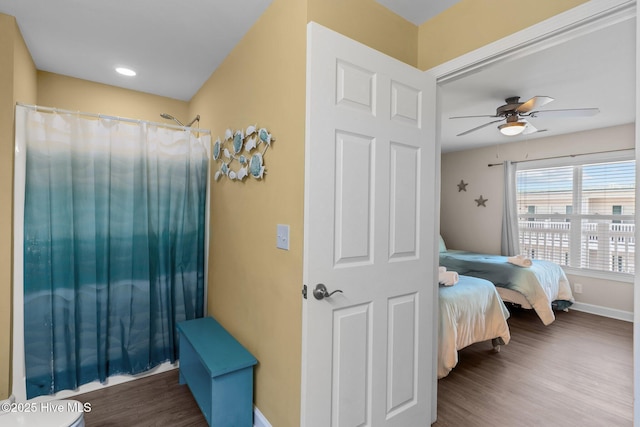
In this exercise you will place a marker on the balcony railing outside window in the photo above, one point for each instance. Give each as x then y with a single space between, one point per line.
604 244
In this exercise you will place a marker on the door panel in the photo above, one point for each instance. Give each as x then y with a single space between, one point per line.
406 104
355 87
404 201
352 366
354 155
402 366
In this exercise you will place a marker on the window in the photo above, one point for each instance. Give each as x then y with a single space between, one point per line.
616 210
583 216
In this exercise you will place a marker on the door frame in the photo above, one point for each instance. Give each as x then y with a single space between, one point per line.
582 19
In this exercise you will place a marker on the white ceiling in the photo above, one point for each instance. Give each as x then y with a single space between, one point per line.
417 11
176 46
596 70
173 45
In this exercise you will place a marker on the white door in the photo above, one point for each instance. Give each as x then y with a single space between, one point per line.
369 232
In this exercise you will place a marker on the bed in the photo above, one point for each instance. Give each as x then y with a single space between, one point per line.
471 311
543 286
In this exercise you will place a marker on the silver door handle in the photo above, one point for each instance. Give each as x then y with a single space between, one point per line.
321 292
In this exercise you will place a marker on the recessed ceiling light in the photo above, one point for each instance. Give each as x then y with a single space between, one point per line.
125 71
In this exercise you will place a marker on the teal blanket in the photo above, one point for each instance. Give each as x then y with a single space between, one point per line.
544 284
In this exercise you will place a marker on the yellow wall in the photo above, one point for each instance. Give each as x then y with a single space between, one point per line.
7 32
471 24
254 288
25 78
370 23
55 90
17 83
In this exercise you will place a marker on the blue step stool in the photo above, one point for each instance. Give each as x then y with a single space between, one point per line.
218 371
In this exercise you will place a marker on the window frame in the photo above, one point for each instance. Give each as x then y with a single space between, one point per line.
580 160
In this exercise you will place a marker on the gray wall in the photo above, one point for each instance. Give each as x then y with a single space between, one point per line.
465 226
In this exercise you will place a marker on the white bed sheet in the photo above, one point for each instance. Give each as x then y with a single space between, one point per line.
470 311
514 297
541 284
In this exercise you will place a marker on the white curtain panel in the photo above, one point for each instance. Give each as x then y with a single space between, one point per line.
510 243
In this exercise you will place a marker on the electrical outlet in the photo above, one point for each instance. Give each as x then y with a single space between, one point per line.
577 288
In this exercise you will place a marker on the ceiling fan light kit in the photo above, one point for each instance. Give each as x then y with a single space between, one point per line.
512 129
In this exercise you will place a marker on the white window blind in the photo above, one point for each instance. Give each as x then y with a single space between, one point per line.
580 215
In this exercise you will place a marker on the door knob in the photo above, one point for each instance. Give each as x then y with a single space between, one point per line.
321 292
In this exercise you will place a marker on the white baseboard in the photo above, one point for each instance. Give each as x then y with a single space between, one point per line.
603 311
259 420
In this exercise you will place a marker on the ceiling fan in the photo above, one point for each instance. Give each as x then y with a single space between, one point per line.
514 114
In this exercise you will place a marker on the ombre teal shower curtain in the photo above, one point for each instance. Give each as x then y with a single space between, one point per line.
114 245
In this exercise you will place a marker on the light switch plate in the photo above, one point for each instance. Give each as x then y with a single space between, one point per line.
282 236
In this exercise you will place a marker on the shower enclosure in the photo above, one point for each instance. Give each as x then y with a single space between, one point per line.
111 253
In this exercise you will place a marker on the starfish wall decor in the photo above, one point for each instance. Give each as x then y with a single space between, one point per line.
462 186
481 201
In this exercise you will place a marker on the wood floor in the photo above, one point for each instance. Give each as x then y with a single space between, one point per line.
157 400
578 371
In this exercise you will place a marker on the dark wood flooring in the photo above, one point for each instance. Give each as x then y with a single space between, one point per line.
157 400
578 371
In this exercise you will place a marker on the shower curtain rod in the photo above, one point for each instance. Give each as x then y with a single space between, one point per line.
105 116
562 157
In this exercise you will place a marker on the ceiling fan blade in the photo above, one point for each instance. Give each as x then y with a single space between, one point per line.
478 127
470 117
535 102
529 128
575 112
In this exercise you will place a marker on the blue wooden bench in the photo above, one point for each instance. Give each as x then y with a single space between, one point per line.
218 371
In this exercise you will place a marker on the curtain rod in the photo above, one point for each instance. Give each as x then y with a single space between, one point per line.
561 157
105 116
